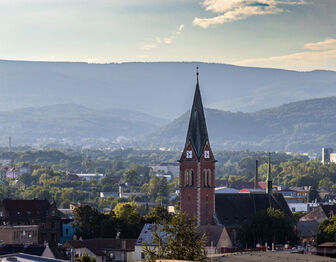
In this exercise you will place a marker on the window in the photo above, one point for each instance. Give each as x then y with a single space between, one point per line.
189 154
189 178
142 255
206 178
67 231
206 154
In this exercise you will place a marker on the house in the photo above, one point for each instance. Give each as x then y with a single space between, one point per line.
108 194
252 190
298 207
14 172
172 168
89 177
27 258
33 212
217 238
22 234
327 249
36 250
103 249
308 231
320 213
226 190
235 210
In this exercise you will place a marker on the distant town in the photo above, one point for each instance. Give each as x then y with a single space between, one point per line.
198 204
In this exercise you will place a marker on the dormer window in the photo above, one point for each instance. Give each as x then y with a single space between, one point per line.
189 154
206 154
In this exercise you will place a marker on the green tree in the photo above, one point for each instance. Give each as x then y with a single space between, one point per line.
85 258
177 240
87 221
157 215
327 231
313 195
131 177
128 212
271 226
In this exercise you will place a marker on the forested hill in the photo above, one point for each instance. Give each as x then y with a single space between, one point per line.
73 125
164 89
303 126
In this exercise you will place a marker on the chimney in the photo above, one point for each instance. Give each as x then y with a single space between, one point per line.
256 176
10 144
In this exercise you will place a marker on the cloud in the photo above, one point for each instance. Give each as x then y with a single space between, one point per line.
327 44
233 10
156 41
318 55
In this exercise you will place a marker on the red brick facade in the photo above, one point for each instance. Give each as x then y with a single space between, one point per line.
197 185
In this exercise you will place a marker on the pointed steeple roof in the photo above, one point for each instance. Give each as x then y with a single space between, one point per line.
197 130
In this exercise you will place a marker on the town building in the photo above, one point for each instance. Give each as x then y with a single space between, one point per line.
21 257
103 249
167 168
217 238
33 212
89 177
22 234
320 213
230 211
326 155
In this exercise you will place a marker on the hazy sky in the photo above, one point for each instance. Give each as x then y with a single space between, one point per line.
292 34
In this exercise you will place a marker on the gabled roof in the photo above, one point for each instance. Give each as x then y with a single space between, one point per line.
238 209
36 250
308 228
97 245
197 133
26 209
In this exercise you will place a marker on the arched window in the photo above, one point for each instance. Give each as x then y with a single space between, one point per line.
186 178
191 179
207 177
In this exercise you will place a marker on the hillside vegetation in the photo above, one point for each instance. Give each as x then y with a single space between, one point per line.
303 126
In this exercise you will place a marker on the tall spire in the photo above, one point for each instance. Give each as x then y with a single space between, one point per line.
269 181
197 130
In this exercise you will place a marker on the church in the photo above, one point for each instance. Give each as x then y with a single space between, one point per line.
219 216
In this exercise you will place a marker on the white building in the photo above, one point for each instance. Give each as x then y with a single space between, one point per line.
89 177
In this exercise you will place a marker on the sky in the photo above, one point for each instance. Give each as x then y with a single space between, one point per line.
290 34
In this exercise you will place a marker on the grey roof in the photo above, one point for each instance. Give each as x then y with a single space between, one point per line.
238 209
197 133
26 258
225 190
308 228
146 235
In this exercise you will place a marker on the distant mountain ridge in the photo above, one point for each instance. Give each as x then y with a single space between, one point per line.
163 89
303 126
74 124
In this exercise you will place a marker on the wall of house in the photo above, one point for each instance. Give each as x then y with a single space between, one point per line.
19 234
78 252
138 251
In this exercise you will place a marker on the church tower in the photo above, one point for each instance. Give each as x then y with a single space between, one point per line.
197 167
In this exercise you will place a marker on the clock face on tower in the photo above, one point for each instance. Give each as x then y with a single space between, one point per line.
189 154
206 154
